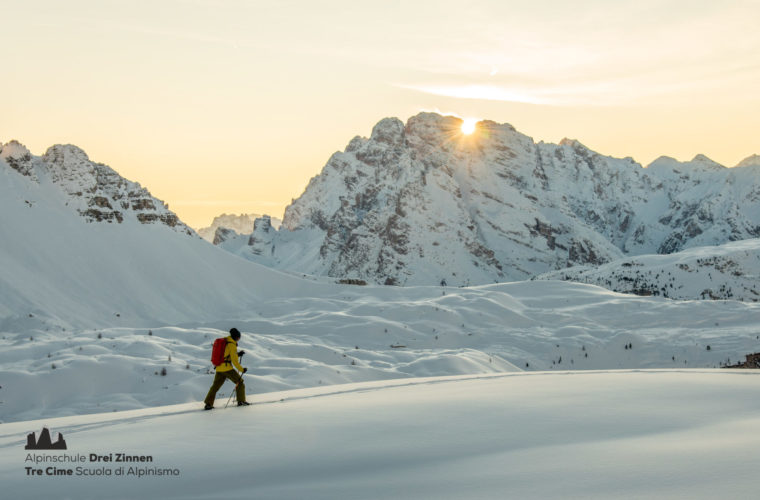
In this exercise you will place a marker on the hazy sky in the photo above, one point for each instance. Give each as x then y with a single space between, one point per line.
231 106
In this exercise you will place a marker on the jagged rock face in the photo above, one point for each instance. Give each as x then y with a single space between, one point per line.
223 234
423 204
240 224
260 240
94 190
426 198
19 158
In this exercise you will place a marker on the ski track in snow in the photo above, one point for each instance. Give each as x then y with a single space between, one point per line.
125 417
598 435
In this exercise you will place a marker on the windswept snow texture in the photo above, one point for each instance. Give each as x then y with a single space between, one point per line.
614 435
339 334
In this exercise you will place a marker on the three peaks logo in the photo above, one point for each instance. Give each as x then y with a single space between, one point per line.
44 441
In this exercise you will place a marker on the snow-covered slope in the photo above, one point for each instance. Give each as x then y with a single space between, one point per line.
614 435
421 203
730 271
238 224
83 247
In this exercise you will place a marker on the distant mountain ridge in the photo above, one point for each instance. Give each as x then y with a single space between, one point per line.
238 224
421 203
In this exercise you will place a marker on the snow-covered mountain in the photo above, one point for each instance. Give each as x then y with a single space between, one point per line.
95 191
82 246
231 225
729 271
421 203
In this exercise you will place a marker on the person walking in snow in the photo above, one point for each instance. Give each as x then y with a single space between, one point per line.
226 370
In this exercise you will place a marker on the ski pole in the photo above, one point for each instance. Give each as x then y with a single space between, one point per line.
234 390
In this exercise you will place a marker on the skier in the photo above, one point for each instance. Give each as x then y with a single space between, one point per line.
226 370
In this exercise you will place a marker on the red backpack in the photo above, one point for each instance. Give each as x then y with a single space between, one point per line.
217 352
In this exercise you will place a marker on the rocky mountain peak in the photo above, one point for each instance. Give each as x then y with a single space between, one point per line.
260 240
389 131
237 224
706 162
750 161
663 161
223 234
95 191
572 143
71 168
700 163
18 157
66 156
425 204
433 128
13 149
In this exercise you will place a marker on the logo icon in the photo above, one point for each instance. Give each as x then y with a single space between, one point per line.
44 441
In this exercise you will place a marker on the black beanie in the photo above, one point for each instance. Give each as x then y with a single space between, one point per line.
234 333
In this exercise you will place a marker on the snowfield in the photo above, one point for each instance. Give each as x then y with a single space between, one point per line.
335 334
578 435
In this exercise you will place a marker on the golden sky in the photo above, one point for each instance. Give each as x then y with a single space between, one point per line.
232 106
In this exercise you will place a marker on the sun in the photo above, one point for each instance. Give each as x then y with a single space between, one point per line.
468 125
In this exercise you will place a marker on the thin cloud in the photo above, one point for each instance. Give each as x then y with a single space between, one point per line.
483 92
